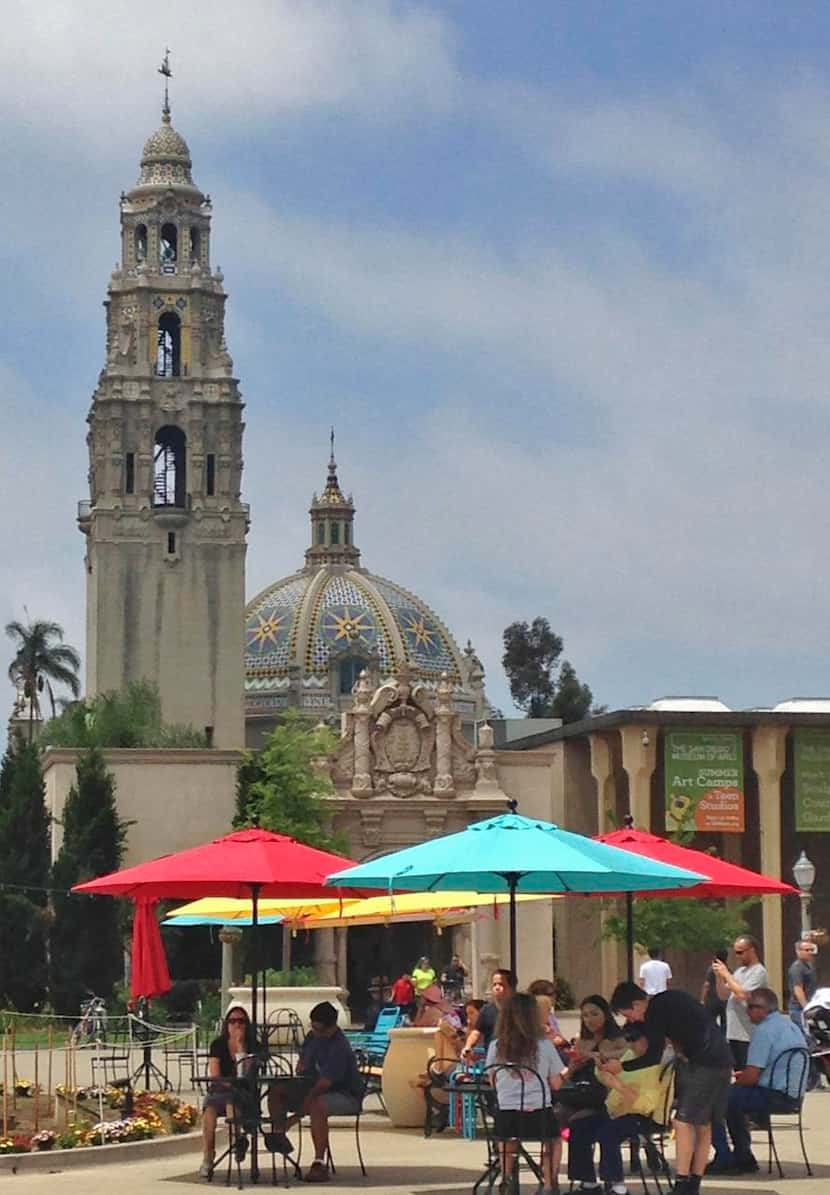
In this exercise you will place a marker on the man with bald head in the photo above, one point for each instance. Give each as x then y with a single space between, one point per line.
763 1085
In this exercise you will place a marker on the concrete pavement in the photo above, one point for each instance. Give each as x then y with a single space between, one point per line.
401 1162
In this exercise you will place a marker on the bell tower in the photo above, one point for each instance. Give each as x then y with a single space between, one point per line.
164 524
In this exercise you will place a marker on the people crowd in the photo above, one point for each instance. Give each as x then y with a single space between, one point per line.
649 1057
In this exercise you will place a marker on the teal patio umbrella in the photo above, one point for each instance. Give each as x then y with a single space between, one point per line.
511 853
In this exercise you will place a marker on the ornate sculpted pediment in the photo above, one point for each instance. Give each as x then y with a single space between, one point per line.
400 741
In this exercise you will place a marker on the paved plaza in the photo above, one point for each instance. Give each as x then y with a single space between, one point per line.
402 1162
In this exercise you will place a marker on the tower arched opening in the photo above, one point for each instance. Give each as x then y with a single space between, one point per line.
169 246
195 244
169 346
169 479
140 242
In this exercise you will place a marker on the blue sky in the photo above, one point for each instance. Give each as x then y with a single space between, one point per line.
557 272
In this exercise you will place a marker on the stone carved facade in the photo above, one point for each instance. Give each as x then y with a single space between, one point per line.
401 742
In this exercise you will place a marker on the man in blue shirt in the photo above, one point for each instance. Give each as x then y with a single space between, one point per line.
328 1083
765 1082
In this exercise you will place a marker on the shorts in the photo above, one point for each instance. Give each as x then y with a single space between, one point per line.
702 1092
340 1103
538 1125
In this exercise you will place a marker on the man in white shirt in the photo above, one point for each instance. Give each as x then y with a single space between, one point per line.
655 975
734 987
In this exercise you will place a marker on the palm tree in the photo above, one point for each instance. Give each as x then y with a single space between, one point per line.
42 658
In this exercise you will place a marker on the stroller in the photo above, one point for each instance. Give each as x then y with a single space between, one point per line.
817 1030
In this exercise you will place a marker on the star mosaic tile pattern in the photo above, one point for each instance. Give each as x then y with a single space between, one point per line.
346 617
349 614
427 642
269 626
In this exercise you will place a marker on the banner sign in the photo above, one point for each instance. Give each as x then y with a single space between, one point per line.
812 779
704 772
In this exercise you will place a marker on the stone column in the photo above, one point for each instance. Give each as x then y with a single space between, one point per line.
444 785
325 959
612 954
639 755
362 774
769 757
230 939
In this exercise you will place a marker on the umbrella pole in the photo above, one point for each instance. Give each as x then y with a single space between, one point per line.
255 954
513 880
629 934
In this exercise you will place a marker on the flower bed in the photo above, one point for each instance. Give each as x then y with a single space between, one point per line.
155 1114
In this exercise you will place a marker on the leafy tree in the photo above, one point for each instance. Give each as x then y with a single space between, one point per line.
24 820
284 787
42 659
86 936
539 684
572 701
24 868
680 923
131 718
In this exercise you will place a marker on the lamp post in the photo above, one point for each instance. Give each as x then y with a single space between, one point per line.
804 873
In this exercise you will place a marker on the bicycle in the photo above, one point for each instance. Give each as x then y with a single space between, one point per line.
92 1026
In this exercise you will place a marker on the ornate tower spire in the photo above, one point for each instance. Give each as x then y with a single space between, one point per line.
332 523
164 522
165 70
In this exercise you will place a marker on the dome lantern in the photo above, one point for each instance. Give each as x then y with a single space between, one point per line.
332 523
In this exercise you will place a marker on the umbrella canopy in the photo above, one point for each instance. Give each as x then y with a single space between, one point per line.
250 863
448 908
721 878
233 865
149 975
511 854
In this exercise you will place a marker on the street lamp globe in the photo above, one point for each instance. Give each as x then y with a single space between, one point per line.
804 873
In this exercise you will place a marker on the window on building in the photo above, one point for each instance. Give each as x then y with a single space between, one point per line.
169 346
169 246
335 532
321 533
171 543
195 244
346 534
210 474
350 670
129 473
141 242
169 461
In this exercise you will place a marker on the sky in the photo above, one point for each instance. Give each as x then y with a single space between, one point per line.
556 270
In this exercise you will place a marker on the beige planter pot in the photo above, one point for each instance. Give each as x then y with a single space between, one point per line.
409 1052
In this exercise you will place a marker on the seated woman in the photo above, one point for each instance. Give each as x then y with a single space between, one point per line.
545 992
630 1099
525 1106
230 1055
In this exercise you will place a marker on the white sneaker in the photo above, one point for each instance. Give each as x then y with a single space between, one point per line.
206 1168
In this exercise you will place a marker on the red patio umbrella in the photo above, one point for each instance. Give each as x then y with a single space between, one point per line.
724 879
246 864
149 975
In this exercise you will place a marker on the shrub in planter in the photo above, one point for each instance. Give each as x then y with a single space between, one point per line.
43 1140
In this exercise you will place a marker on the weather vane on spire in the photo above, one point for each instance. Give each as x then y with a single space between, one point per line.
165 70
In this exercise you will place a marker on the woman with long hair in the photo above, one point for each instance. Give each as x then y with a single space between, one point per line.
525 1068
230 1055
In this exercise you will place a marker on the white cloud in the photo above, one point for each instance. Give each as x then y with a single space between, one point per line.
246 61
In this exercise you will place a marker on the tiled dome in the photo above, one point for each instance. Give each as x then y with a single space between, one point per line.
301 623
165 158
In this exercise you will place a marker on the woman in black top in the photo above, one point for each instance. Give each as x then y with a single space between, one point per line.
235 1044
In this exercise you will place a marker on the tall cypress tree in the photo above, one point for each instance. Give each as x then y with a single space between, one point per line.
86 937
24 876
